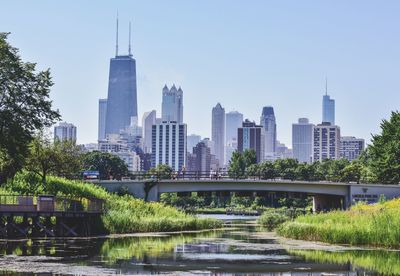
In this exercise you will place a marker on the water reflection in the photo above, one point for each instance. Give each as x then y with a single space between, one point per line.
384 262
239 248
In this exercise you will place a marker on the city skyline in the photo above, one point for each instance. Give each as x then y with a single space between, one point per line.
367 81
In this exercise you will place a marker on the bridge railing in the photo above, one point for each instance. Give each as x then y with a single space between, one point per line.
50 203
198 175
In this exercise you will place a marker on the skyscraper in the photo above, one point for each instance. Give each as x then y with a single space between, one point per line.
218 133
302 140
192 141
148 120
202 159
251 136
102 119
122 91
65 131
326 142
267 121
169 145
172 104
328 108
351 147
233 121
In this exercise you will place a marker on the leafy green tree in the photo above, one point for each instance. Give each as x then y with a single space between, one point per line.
286 168
384 152
335 171
252 171
61 158
237 166
43 157
239 162
161 171
108 165
25 107
306 172
352 172
267 170
249 157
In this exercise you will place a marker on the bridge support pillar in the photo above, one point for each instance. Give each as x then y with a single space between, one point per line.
328 202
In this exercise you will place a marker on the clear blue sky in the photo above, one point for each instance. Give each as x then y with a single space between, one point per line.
244 54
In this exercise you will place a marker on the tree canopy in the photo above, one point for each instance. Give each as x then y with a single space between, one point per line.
25 107
108 165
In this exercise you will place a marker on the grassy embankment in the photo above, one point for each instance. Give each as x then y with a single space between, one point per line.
123 214
374 225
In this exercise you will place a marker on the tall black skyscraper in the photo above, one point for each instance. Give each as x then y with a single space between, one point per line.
122 91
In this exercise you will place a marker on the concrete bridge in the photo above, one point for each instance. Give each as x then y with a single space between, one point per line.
326 195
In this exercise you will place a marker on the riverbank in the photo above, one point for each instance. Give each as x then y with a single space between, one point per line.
123 214
373 225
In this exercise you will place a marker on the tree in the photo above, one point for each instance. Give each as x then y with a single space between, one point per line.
237 166
384 152
108 165
305 172
249 157
352 172
267 170
252 171
161 171
61 158
286 168
25 107
43 157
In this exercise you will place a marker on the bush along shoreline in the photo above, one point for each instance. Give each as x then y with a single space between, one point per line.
375 225
123 214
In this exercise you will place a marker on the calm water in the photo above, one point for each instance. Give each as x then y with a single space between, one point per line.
241 248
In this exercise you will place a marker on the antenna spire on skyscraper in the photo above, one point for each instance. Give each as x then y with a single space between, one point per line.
116 42
326 86
129 48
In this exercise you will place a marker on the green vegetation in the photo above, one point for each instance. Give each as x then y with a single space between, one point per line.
123 214
375 225
108 165
380 261
272 219
25 107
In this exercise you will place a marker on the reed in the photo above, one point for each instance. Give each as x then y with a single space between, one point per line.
374 225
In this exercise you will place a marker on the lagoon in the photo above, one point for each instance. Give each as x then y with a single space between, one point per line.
240 247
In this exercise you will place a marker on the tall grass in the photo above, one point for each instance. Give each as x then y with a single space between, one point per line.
375 225
124 214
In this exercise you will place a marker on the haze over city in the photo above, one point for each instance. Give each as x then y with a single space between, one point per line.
243 55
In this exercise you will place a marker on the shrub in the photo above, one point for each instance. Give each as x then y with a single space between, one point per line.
272 219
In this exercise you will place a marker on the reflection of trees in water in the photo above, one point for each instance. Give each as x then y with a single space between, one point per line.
140 248
381 261
51 247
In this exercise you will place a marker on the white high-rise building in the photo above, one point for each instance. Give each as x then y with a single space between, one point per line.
233 121
148 120
268 122
351 147
102 119
172 104
302 140
169 145
65 131
218 133
326 142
